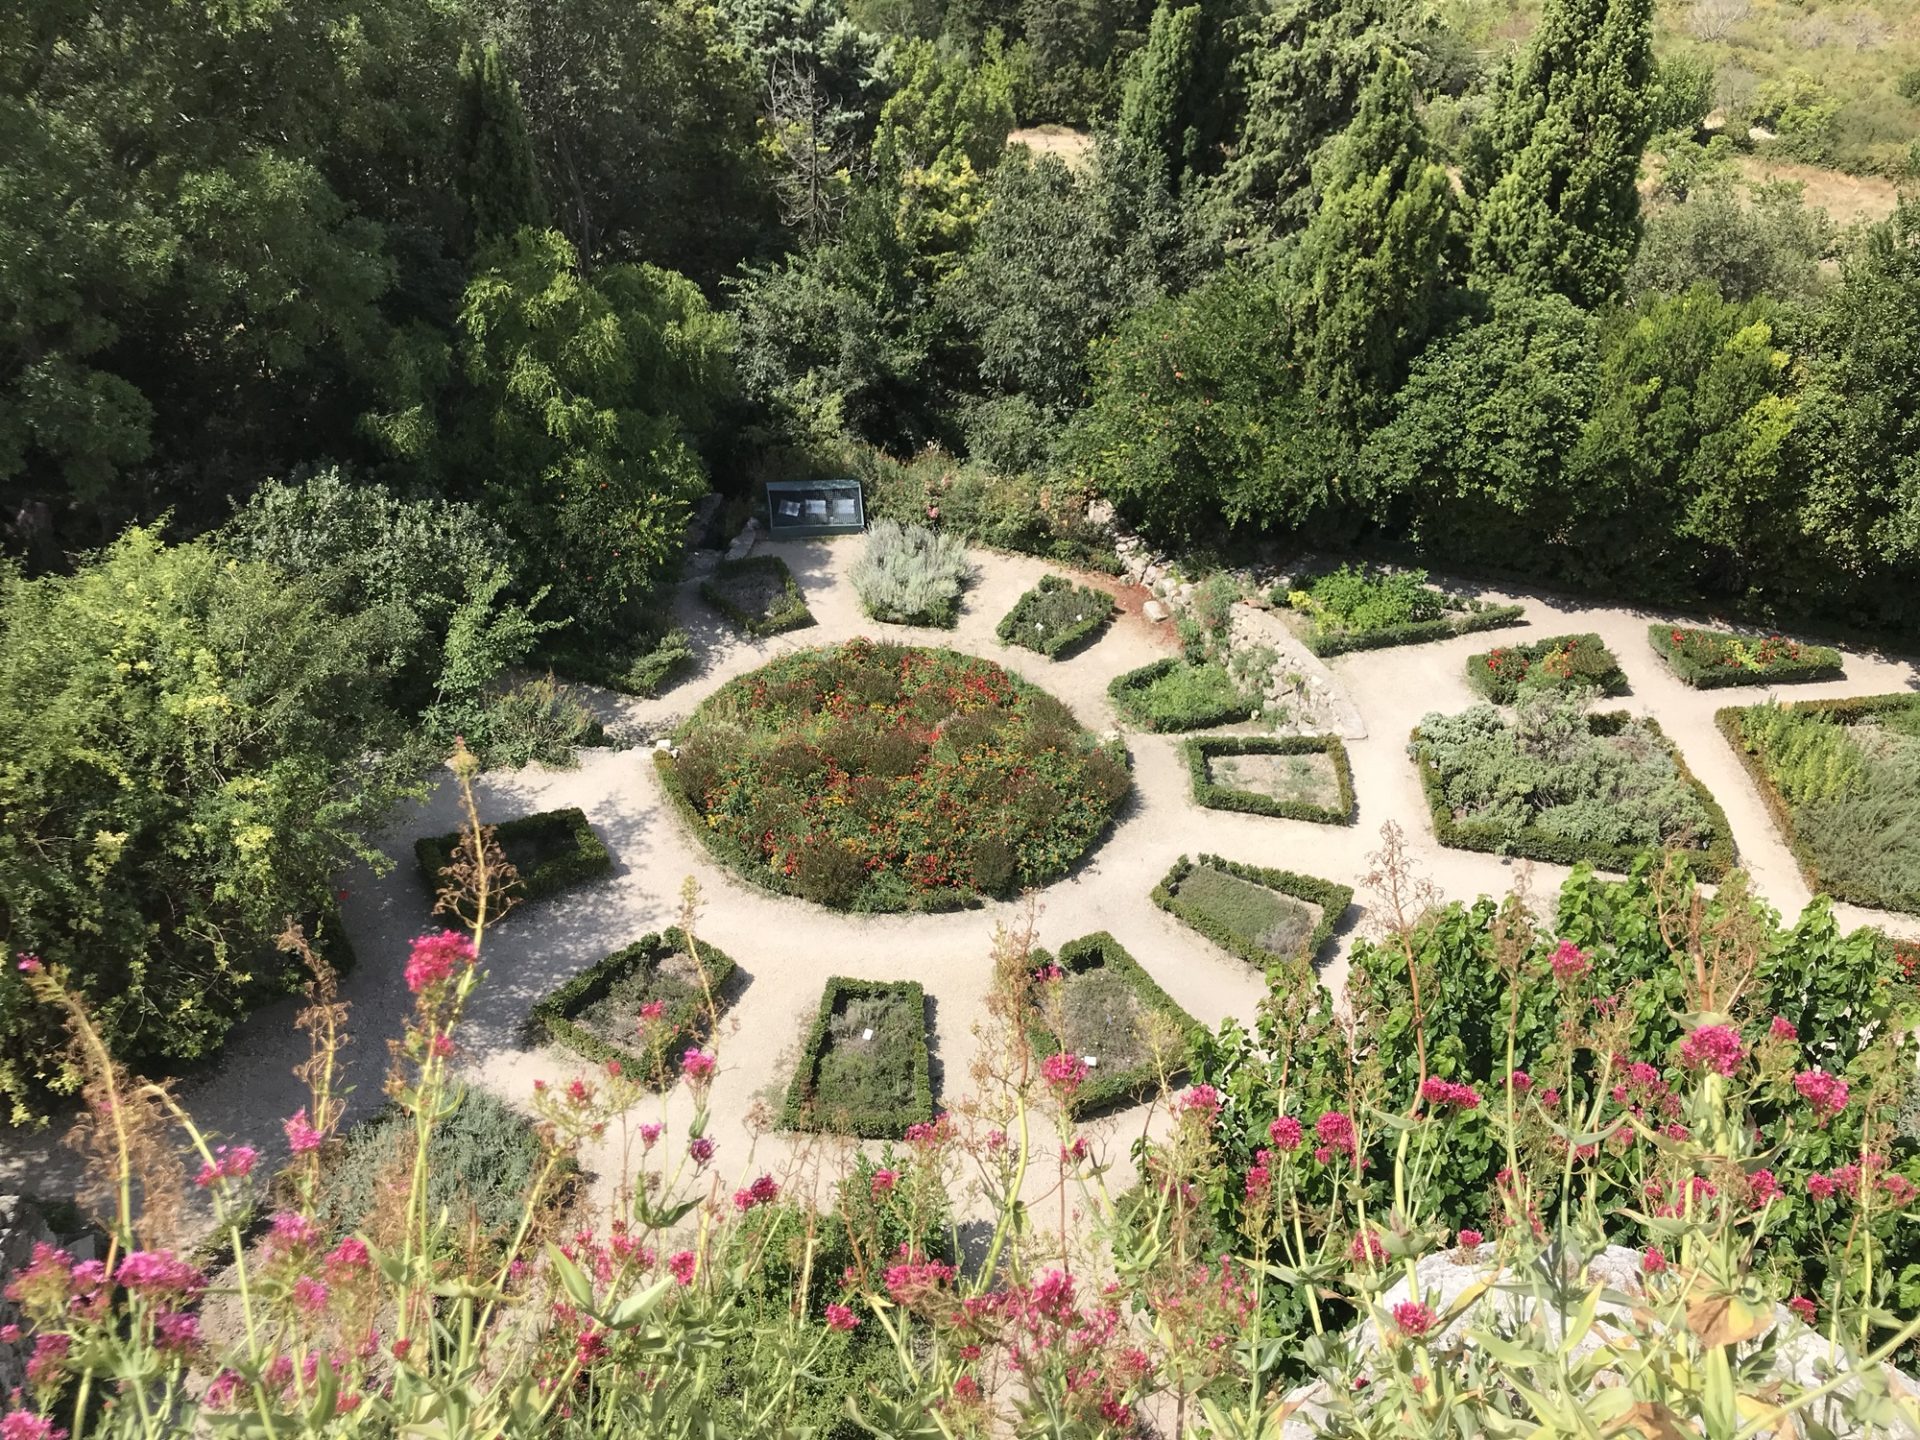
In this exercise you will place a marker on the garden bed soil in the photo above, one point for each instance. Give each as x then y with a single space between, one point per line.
1101 1015
1307 779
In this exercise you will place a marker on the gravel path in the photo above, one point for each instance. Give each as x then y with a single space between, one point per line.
786 948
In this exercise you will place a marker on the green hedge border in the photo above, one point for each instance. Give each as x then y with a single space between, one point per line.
555 1011
1203 748
1419 632
588 859
1332 899
1121 690
1846 711
1104 1089
1614 682
792 614
1063 641
1532 843
1819 662
799 1112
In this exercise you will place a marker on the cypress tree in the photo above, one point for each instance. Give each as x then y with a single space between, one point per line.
1156 108
1556 161
493 161
1375 260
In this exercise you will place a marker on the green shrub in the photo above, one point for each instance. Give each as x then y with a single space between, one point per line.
605 999
1099 978
1243 908
1175 694
551 851
1560 662
537 721
874 1088
1713 659
1202 752
1365 608
873 776
656 660
911 575
758 594
1561 785
1056 617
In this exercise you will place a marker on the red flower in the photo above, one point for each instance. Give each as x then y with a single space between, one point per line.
1414 1319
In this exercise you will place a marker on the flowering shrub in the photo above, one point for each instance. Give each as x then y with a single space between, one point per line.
878 777
1563 662
1056 617
1710 659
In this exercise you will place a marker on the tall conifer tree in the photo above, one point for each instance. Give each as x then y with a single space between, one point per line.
493 163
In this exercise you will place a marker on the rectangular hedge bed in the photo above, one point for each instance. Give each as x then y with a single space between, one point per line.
603 1002
850 1085
1056 617
1364 608
1106 993
1715 659
758 594
552 851
1208 791
1534 843
1873 817
1498 674
1172 694
1243 909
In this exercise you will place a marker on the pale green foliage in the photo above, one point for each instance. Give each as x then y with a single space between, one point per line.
1768 242
910 574
940 134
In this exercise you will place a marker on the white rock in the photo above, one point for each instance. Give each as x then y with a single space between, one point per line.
1154 611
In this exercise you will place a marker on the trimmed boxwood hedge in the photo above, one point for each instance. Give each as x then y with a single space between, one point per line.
1332 899
790 613
1106 1089
581 856
1592 661
1127 692
1420 632
1017 627
801 1111
1215 796
1533 843
556 1011
1810 662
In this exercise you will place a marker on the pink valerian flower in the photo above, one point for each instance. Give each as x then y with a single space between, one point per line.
310 1295
234 1164
1653 1260
1821 1187
650 1134
441 1047
10 1334
1826 1095
176 1333
1367 1246
159 1272
1549 1098
1334 1130
49 1360
1285 1133
1521 1082
434 957
1718 1048
292 1231
349 1255
1804 1308
1782 1028
1763 1189
1260 1176
697 1065
1201 1100
682 1265
1047 974
224 1390
839 1317
763 1191
591 1346
913 1280
652 1011
1064 1074
1471 1239
1898 1188
302 1137
18 1424
1569 962
701 1149
1449 1094
30 965
882 1183
929 1133
1413 1319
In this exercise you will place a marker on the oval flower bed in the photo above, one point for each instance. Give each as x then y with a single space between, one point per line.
888 777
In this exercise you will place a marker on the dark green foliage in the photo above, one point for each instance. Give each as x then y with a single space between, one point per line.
758 594
1056 617
554 850
1108 1084
1239 906
493 164
1156 108
1559 662
187 765
1210 792
1361 608
1714 659
606 998
852 1086
1564 786
1032 514
1175 694
653 660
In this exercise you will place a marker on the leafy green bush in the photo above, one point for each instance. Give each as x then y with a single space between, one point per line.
654 661
1842 778
1560 662
604 1001
1713 659
851 1084
538 720
1056 617
873 776
1365 608
1249 911
1561 785
1032 514
758 594
1104 1003
911 575
551 851
1209 791
1175 694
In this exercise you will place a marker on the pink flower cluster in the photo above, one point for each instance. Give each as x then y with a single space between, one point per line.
1334 1130
1782 1028
882 1183
1201 1100
1449 1094
1260 1175
1718 1048
1064 1074
763 1191
159 1272
697 1065
839 1317
434 957
1569 962
234 1164
1286 1133
1825 1094
682 1265
302 1137
1413 1319
912 1280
